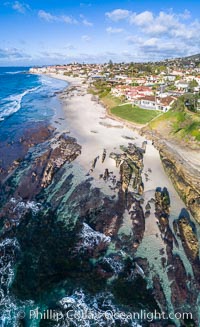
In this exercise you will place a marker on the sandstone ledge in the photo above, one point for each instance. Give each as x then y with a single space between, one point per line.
184 176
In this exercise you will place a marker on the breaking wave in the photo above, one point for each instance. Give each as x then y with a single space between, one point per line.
12 104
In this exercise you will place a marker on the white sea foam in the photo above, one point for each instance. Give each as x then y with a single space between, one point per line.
97 311
54 83
91 238
12 103
17 72
10 307
20 207
46 80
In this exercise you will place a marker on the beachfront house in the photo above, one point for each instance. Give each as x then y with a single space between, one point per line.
165 103
148 102
155 103
131 92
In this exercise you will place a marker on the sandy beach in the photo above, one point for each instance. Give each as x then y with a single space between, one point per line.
88 121
191 158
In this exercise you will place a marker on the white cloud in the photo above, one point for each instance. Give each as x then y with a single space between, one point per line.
20 7
172 26
87 23
48 17
13 54
53 55
156 29
160 47
142 19
145 35
86 38
149 23
134 39
118 14
68 20
151 42
185 15
152 36
112 30
169 25
189 32
166 33
69 46
155 24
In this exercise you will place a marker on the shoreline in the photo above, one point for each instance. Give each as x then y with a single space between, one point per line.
94 130
103 177
180 166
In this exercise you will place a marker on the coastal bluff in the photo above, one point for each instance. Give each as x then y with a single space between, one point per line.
185 177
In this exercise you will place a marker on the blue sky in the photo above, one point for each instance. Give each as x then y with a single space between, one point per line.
53 31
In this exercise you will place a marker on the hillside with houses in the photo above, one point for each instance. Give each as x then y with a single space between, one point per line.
139 92
148 85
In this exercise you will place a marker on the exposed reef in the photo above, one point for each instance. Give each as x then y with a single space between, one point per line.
77 233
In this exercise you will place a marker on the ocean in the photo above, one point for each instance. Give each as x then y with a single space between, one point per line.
27 102
25 99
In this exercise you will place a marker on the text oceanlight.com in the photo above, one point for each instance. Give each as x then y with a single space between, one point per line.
84 315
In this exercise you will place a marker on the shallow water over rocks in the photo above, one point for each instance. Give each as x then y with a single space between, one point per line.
97 226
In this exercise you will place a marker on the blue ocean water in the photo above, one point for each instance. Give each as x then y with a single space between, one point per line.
25 99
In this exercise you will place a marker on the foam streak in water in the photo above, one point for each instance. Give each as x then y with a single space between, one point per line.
17 72
13 103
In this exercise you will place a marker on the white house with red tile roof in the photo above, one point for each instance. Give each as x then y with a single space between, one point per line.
155 103
131 92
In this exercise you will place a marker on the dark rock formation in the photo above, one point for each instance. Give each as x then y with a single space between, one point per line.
17 150
40 175
189 238
70 232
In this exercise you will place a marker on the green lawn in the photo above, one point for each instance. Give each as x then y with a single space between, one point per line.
183 124
134 114
110 101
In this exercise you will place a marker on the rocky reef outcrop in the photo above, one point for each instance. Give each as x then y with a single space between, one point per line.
75 234
131 165
189 238
19 193
183 289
